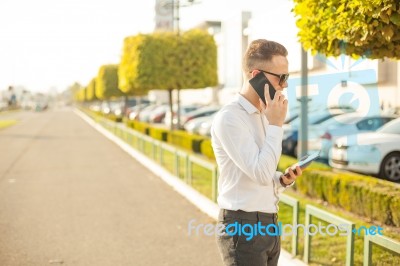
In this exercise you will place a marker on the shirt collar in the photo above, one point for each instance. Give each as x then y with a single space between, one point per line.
250 108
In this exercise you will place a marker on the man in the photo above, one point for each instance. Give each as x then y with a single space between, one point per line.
247 142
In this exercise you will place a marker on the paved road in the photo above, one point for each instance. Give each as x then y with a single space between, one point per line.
68 196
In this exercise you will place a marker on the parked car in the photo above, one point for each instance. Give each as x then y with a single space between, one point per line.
294 113
321 137
291 131
193 126
131 103
112 107
95 107
158 114
201 112
376 153
183 110
133 112
105 108
144 114
205 127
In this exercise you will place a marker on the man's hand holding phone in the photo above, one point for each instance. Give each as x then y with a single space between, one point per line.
290 176
295 171
276 108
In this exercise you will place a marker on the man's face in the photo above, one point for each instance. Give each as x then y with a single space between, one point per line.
278 65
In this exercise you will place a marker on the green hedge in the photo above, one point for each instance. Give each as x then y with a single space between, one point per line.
394 210
185 140
96 115
142 127
375 199
195 143
206 149
113 118
159 133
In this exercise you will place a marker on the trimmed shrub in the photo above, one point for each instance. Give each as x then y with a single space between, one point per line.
154 61
113 117
159 133
105 85
394 209
129 123
142 127
185 140
375 199
206 149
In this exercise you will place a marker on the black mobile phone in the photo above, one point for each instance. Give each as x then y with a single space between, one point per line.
304 162
258 83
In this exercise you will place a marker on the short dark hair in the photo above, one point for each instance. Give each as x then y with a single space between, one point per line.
260 51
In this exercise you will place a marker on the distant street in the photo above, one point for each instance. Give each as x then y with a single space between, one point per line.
69 196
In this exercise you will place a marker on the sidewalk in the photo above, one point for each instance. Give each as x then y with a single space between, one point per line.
70 196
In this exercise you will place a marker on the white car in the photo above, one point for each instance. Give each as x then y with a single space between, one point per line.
194 125
183 110
322 136
205 127
376 153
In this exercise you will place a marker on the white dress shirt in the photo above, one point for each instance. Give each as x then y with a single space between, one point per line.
247 150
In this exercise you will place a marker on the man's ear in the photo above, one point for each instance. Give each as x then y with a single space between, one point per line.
254 73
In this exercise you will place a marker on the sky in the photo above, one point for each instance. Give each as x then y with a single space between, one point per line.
50 44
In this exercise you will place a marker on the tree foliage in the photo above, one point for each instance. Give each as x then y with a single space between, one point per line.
91 90
367 28
147 63
197 55
74 89
168 61
80 95
106 83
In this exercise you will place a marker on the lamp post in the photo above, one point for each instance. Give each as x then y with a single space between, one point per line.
302 143
163 9
178 4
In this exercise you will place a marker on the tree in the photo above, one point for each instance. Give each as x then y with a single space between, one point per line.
74 90
197 56
356 28
91 90
147 63
81 95
106 83
167 61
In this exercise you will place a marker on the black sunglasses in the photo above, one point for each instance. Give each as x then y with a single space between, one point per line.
282 77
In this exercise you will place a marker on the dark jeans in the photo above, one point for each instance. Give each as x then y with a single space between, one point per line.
244 247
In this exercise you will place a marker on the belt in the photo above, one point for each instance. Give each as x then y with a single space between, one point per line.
258 216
